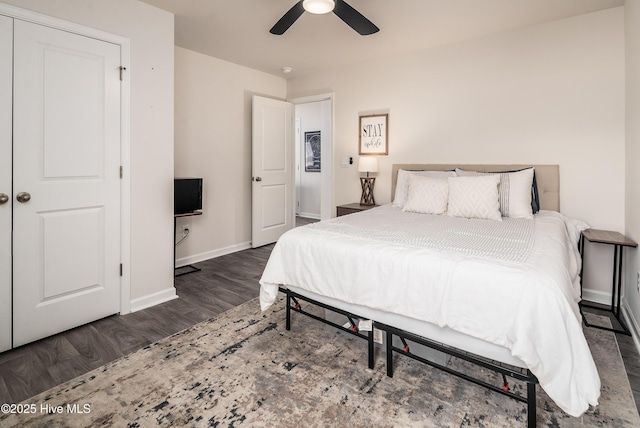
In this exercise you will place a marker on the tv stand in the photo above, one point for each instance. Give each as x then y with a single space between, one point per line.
175 224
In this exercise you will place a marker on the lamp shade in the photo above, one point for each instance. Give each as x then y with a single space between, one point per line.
368 164
318 6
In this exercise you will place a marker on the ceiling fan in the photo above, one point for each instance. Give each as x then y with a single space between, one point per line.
349 15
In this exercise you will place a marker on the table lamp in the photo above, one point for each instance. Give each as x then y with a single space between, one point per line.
367 164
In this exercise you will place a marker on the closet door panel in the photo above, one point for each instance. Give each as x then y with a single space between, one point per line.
6 55
66 269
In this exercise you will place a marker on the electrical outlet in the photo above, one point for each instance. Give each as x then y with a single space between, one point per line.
185 230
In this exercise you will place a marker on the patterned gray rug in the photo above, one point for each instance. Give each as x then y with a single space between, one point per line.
244 369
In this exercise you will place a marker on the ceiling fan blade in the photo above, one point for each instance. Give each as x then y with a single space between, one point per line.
354 19
288 19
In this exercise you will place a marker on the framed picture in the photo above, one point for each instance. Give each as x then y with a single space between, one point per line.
312 151
374 135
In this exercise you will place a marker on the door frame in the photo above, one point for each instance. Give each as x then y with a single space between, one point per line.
298 162
326 188
6 185
125 129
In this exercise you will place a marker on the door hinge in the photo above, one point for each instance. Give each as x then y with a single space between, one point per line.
121 171
122 70
120 269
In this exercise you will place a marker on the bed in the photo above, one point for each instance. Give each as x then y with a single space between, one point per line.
491 287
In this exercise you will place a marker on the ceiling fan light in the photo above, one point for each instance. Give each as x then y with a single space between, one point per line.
318 6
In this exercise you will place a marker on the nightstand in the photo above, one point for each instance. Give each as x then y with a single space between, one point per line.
352 208
619 241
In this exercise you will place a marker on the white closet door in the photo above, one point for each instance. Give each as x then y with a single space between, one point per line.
6 53
66 269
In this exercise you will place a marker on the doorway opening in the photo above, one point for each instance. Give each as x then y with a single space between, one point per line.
314 157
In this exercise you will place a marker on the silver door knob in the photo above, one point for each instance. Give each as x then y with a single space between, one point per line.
3 198
258 178
23 197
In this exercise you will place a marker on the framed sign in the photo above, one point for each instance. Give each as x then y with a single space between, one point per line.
374 135
312 145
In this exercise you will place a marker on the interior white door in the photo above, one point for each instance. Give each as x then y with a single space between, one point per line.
66 146
273 179
6 49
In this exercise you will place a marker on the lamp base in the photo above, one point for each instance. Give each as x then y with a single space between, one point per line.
367 190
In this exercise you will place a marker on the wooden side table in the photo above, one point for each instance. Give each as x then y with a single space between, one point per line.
619 241
352 208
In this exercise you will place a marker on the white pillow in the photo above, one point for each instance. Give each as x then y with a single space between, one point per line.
474 197
427 195
402 183
515 191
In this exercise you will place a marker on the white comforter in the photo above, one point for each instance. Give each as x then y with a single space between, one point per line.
527 302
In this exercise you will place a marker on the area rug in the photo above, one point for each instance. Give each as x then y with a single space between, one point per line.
243 368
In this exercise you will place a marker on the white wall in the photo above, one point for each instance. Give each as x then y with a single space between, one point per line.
632 194
310 184
547 94
151 33
213 141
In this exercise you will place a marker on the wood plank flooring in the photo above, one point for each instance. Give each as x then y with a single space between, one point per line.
222 283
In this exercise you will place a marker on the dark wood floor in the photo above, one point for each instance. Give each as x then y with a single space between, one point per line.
222 283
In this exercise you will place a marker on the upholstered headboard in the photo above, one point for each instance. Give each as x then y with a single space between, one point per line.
547 177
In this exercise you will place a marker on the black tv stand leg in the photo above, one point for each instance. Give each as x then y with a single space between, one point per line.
192 267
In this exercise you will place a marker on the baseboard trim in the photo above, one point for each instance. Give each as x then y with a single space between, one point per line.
184 261
596 296
310 215
153 299
631 322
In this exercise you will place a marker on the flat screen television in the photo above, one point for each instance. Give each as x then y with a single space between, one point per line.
187 195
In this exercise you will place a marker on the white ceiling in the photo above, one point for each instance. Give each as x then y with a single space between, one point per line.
238 30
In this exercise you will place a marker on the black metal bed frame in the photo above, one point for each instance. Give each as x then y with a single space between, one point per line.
353 330
523 375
